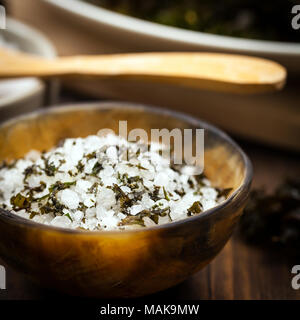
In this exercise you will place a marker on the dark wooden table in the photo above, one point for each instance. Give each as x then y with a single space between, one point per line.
239 271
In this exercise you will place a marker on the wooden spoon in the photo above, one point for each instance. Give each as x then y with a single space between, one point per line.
212 71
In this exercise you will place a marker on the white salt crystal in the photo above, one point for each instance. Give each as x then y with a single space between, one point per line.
136 209
106 198
61 221
69 198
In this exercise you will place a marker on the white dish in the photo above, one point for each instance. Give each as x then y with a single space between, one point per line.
141 34
23 95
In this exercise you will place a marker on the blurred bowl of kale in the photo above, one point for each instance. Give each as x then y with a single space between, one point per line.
251 27
243 19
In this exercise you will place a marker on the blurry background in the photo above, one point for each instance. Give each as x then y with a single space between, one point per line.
79 27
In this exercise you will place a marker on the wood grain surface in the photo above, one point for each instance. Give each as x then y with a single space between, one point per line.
239 271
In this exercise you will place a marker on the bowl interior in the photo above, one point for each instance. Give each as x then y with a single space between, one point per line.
223 164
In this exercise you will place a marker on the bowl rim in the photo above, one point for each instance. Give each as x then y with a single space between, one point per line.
43 47
36 87
138 26
114 104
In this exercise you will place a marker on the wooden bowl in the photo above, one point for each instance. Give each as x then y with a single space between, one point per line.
120 263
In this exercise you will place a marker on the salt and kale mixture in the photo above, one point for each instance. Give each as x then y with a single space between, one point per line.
103 183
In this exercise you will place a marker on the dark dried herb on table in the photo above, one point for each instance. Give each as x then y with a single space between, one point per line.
274 219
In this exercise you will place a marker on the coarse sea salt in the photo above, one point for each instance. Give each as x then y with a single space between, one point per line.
103 183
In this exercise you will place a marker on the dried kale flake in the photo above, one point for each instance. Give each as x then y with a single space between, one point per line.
58 186
50 168
97 168
195 208
20 202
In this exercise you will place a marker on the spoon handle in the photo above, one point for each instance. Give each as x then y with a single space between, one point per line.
211 71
